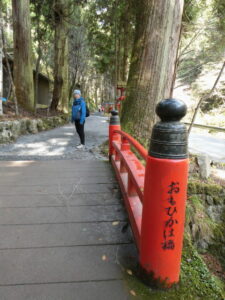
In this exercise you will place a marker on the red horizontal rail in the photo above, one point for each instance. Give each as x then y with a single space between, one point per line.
141 150
132 203
130 173
134 167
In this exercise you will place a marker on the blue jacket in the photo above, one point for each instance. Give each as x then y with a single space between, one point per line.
79 110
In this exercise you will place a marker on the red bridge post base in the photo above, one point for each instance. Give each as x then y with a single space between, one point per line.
164 197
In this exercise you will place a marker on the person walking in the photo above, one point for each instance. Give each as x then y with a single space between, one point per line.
78 116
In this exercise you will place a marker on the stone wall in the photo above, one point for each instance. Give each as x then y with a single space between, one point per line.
11 130
205 215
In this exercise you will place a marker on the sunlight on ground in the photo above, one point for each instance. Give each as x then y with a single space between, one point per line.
19 163
205 132
219 173
44 148
68 133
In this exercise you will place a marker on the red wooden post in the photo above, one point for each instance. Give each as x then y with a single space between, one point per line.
114 124
164 196
125 146
131 190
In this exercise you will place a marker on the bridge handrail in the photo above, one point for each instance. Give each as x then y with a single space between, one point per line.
141 150
154 192
222 129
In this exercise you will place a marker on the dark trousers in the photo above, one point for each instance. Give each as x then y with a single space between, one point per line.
80 130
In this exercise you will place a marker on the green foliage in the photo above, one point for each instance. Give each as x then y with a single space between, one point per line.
43 33
199 225
192 9
219 11
105 27
102 34
217 248
203 39
197 220
215 101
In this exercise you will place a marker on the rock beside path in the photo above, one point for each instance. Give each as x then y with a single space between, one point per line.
11 130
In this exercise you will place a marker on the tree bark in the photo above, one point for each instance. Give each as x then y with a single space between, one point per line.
37 78
73 83
1 57
65 87
153 61
23 71
39 53
127 41
60 90
12 86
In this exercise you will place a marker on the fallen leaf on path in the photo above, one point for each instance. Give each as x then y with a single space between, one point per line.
115 223
133 293
129 272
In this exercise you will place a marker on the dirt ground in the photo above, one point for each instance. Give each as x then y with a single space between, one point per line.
9 112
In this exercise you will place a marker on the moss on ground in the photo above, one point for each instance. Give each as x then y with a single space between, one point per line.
217 192
196 281
217 249
198 187
104 148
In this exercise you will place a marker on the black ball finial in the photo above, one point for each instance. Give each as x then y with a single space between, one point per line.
114 113
170 110
169 137
114 119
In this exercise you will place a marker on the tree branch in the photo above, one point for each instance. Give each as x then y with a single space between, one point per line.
205 97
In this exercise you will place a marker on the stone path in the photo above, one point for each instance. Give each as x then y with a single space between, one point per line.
59 143
207 144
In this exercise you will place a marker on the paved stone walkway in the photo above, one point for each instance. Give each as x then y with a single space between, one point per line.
207 144
59 143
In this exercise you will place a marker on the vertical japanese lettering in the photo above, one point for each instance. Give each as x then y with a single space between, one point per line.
171 212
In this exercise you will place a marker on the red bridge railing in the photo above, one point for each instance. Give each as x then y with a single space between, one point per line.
154 190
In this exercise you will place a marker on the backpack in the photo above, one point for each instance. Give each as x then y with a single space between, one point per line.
87 111
76 112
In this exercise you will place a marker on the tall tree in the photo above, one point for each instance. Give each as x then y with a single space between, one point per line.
106 30
39 21
60 91
153 62
127 39
23 71
1 65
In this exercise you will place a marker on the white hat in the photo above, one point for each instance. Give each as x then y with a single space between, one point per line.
77 92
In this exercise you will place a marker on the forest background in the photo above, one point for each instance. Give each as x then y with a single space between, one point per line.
90 45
